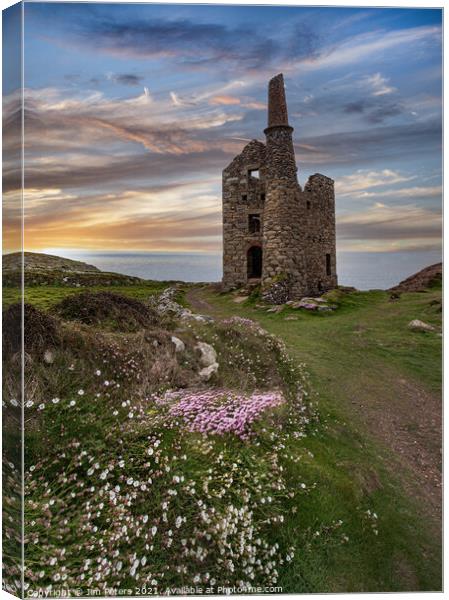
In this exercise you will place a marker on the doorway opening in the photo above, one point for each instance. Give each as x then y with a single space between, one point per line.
254 262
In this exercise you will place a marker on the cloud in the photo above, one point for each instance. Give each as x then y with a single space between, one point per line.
255 105
87 139
393 223
347 185
194 44
410 192
150 218
125 78
374 111
386 144
379 85
226 100
118 171
177 101
371 46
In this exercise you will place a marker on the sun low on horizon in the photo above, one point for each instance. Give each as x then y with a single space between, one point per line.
127 135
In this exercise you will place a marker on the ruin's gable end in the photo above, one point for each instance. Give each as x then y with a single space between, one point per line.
273 231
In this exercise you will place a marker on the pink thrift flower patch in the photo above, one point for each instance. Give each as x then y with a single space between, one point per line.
218 411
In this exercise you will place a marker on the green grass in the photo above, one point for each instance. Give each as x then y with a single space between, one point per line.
47 296
367 333
359 352
350 480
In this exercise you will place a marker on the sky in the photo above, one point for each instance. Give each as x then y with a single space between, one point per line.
133 111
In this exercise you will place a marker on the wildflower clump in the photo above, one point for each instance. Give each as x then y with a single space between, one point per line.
137 476
218 411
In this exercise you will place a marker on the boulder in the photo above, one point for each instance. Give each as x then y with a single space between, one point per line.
240 299
417 325
276 309
206 373
208 354
314 300
179 344
306 305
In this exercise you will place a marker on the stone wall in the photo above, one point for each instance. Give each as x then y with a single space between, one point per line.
319 233
283 252
243 195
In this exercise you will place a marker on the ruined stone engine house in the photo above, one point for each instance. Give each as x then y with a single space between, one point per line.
274 232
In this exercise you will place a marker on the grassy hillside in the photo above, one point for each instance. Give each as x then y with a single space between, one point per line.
378 387
49 295
309 467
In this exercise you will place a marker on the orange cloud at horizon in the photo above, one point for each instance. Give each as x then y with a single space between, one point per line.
130 220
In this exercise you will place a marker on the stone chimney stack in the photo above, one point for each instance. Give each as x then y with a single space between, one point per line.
277 104
284 264
280 153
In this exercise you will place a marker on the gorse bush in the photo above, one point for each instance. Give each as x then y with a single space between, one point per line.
108 309
41 330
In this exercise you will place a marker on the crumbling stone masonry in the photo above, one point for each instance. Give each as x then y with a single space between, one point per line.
274 232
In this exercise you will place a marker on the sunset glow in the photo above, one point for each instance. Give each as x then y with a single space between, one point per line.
133 111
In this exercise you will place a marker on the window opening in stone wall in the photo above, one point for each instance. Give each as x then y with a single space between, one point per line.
262 197
254 262
254 223
244 197
328 264
254 173
308 205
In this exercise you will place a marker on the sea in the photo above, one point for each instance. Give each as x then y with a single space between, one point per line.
363 270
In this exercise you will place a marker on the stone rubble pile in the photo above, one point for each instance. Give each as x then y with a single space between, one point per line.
310 304
165 304
313 304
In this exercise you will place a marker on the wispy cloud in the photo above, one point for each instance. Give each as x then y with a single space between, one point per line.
159 218
362 180
392 223
226 100
370 145
129 131
379 85
196 44
424 192
372 45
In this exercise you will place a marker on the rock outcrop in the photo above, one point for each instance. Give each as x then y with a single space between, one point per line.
422 280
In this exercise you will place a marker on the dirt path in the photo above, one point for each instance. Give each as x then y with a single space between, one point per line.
407 420
199 304
401 415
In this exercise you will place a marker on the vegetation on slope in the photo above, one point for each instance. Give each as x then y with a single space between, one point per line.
378 386
310 495
123 491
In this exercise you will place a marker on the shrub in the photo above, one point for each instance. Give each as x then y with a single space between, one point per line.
107 308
